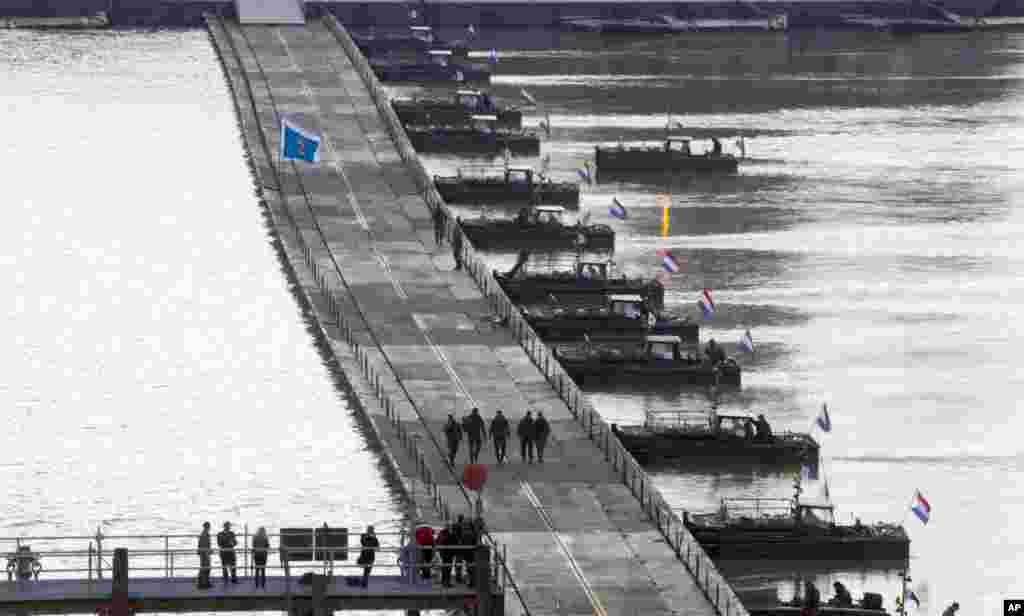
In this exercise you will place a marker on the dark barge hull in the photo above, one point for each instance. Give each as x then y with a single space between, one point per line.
568 328
429 72
610 372
616 161
537 288
448 114
474 142
648 445
507 234
470 191
737 544
823 610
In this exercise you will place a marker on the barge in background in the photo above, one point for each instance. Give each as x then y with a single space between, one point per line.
515 187
539 227
668 435
435 69
479 138
787 529
673 155
668 24
622 316
456 110
585 282
658 358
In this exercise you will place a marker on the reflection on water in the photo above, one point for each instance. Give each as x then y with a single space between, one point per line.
869 243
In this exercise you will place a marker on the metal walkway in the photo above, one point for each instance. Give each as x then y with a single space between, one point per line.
587 532
74 577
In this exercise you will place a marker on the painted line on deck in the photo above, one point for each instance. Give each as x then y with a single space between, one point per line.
340 170
599 609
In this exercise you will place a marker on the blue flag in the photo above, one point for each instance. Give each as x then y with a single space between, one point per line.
298 143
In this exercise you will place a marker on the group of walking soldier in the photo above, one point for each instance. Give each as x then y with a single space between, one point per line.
533 436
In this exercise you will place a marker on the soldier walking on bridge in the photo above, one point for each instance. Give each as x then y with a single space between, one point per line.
226 541
457 243
476 432
499 432
204 550
453 434
525 431
438 215
541 430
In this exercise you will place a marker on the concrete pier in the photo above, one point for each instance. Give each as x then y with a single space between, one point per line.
586 532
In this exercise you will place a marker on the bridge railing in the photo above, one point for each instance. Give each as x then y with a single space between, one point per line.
660 512
381 386
177 556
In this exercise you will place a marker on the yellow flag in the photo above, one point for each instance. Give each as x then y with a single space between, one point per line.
664 202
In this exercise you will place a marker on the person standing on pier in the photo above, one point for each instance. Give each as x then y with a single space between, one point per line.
226 541
370 544
476 432
499 432
457 243
812 599
444 543
453 434
541 431
525 431
205 548
260 550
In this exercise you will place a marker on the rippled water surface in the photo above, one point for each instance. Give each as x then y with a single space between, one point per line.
157 369
871 244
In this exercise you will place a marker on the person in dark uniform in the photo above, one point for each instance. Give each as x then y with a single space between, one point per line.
444 543
499 432
842 597
438 225
453 434
368 555
457 540
525 431
226 541
204 550
541 431
764 430
714 352
716 147
470 538
260 550
812 599
457 243
476 432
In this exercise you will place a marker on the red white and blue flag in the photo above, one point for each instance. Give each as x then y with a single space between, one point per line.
706 303
747 342
824 421
670 262
617 209
921 508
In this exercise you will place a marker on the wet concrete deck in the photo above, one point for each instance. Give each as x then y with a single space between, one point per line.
578 541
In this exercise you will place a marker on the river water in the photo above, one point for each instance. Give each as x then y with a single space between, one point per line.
871 244
158 370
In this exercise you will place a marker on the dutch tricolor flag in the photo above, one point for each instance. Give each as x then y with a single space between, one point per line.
824 421
617 209
747 342
920 507
671 263
707 305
